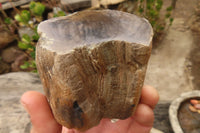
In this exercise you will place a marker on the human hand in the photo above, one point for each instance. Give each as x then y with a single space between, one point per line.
43 120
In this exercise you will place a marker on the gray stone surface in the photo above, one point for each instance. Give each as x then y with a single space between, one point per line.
161 121
5 38
26 30
154 130
97 3
9 5
75 4
174 107
10 54
13 118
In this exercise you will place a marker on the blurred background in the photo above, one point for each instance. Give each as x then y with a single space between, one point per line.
174 66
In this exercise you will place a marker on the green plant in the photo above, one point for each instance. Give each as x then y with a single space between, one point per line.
37 8
59 13
151 10
8 20
26 42
24 17
30 64
7 23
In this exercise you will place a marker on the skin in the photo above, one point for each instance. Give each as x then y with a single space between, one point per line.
43 120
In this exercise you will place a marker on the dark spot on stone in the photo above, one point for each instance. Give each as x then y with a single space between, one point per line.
133 105
36 81
77 114
27 128
113 69
36 76
9 79
57 100
76 107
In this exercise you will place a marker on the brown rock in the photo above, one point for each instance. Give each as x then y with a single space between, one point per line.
192 108
50 15
92 65
26 30
15 66
5 38
4 67
10 54
195 27
97 3
197 10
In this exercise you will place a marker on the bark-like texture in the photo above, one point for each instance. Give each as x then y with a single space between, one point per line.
92 65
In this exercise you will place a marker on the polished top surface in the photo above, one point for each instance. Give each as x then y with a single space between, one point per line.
93 27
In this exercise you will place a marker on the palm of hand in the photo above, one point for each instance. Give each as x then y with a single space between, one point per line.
134 124
43 121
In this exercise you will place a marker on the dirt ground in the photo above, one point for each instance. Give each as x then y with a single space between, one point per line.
194 58
174 66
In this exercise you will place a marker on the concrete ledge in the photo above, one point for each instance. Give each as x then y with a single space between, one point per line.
13 118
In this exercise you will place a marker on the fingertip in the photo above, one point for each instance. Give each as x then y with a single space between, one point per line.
39 110
149 96
144 115
31 98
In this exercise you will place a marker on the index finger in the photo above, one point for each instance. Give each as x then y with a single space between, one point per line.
149 96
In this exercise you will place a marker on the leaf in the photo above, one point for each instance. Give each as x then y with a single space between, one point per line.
159 2
169 8
141 10
25 65
61 13
153 23
23 45
34 71
35 37
171 20
18 18
32 5
158 7
167 15
37 8
32 54
33 64
26 16
159 28
23 17
8 20
26 39
153 14
149 6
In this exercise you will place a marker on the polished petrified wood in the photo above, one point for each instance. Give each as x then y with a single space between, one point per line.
92 65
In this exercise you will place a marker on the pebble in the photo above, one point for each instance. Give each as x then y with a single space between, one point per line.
114 120
193 101
193 109
197 106
198 111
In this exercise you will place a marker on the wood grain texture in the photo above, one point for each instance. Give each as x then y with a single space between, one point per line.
92 66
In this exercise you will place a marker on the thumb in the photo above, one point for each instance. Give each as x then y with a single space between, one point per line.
38 108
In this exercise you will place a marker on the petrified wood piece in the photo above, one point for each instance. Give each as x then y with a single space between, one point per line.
92 65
